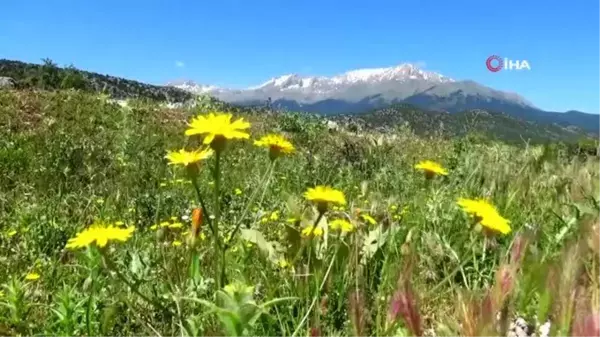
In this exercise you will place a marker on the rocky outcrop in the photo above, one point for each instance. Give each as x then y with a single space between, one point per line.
7 83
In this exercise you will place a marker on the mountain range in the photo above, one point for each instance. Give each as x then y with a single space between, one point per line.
361 90
428 102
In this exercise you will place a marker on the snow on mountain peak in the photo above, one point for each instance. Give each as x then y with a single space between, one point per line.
405 71
322 85
402 72
192 86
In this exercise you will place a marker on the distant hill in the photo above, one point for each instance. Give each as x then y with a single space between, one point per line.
493 125
511 126
362 90
51 77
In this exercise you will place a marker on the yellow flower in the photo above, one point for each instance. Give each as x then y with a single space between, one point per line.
99 201
32 276
274 216
341 224
369 219
312 230
164 224
277 145
431 168
325 195
185 158
179 181
119 223
283 263
238 191
486 214
176 243
238 287
154 227
218 127
176 225
12 233
100 234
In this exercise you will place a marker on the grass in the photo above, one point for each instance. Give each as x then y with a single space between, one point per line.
415 263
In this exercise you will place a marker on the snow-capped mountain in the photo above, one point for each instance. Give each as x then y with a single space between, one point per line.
403 80
191 86
364 89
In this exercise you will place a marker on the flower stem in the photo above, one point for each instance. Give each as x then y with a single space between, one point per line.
89 310
310 235
217 205
314 301
206 215
109 264
264 182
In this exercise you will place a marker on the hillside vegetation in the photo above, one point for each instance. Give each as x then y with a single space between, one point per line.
493 125
235 246
49 76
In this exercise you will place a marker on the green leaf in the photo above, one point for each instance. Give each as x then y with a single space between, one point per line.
195 267
135 266
231 322
108 319
256 237
375 240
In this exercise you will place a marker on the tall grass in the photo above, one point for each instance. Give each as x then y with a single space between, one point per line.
415 264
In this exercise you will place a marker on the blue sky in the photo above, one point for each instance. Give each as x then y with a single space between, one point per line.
239 43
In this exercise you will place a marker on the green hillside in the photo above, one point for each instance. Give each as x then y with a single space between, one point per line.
101 234
490 125
49 76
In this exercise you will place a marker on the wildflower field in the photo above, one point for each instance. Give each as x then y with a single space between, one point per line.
212 220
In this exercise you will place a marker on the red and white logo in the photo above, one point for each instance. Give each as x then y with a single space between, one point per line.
495 63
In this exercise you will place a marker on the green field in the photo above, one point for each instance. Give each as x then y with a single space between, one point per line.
413 263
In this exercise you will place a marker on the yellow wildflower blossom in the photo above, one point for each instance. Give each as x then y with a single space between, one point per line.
238 191
176 243
238 287
431 168
100 234
176 225
186 158
277 145
486 214
32 276
312 230
325 195
342 225
369 219
217 128
283 263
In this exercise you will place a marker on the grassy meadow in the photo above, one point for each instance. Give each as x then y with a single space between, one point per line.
226 246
